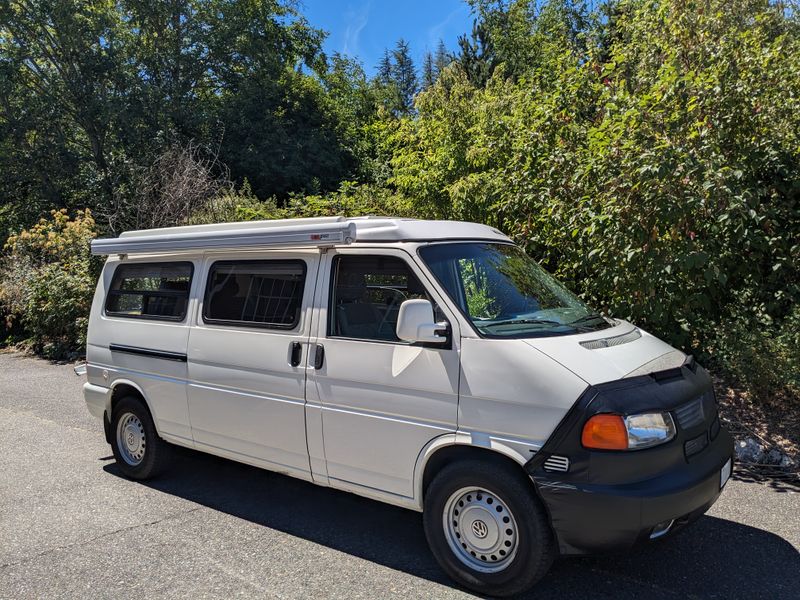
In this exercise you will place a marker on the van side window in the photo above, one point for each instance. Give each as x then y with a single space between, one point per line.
366 295
255 293
150 291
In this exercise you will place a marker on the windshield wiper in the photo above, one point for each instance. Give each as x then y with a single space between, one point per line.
589 317
523 322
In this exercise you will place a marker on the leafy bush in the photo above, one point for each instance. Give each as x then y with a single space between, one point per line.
47 281
349 200
761 356
652 161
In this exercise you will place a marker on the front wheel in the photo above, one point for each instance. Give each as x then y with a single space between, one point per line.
487 529
139 452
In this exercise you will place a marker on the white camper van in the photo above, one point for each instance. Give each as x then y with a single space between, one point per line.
427 364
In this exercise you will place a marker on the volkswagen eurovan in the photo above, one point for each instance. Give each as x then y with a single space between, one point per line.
427 364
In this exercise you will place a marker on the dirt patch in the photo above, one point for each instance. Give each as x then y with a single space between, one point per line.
772 423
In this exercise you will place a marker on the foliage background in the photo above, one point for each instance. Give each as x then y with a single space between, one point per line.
645 151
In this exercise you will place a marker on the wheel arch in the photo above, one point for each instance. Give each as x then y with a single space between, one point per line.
460 446
122 388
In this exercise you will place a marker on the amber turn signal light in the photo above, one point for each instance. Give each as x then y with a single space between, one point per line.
605 432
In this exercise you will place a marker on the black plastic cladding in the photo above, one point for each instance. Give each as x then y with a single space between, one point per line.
609 500
657 392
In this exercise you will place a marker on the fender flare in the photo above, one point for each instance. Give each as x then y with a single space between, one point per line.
121 381
462 438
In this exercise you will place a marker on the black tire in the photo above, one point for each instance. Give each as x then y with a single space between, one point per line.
154 452
534 543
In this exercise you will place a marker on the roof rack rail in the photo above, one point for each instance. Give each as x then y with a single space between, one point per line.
314 233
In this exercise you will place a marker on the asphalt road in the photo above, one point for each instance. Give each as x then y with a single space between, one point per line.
71 526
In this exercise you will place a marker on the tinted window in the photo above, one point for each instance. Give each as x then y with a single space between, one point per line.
255 293
150 291
367 294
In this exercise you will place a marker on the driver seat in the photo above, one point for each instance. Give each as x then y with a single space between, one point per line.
356 317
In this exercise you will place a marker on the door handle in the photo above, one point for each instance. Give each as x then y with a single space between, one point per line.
319 356
297 352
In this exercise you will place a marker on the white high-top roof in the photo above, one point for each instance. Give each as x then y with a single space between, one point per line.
318 231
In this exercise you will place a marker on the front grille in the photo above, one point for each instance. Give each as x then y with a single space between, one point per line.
695 445
690 414
557 463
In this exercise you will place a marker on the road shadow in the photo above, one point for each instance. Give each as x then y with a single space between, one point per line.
777 478
712 558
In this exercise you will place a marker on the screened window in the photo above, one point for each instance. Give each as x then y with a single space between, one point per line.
150 291
366 296
255 293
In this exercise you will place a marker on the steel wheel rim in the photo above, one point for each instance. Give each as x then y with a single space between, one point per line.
131 441
480 529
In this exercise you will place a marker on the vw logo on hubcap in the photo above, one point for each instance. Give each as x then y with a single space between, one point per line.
479 529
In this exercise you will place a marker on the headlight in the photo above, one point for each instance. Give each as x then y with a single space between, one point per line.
633 432
649 429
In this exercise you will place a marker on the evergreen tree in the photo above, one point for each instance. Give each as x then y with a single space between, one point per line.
476 54
428 71
385 68
404 76
442 58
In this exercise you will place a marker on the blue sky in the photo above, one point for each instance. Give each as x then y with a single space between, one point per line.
363 28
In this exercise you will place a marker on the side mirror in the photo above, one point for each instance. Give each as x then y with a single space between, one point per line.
415 323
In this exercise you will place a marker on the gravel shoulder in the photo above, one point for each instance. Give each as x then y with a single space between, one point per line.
71 526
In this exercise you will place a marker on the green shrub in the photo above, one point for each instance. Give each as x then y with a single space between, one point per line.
47 282
653 165
759 354
350 200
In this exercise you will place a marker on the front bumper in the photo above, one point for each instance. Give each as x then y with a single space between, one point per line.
596 518
609 500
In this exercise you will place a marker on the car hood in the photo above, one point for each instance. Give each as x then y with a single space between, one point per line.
614 353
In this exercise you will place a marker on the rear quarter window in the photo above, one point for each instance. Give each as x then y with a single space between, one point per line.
158 291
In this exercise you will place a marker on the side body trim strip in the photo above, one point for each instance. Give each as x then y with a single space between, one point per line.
165 354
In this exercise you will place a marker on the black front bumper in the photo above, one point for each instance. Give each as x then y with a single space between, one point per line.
611 500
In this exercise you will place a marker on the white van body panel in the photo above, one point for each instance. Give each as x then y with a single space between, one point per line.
162 381
368 392
613 362
513 392
244 395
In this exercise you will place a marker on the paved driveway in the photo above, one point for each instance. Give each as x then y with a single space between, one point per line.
71 526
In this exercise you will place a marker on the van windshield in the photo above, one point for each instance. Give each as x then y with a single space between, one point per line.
505 293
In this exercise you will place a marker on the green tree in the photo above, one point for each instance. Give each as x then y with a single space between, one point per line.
428 72
385 68
476 55
354 102
71 60
661 181
441 59
404 76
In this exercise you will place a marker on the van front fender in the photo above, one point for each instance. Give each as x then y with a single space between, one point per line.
518 451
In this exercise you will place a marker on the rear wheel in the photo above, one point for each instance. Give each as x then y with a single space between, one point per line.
487 529
139 452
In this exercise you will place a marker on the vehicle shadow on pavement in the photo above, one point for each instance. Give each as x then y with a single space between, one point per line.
712 558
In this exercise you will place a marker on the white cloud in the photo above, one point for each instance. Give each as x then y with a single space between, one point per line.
356 21
438 31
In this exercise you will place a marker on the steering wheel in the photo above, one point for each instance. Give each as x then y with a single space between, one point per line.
397 298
